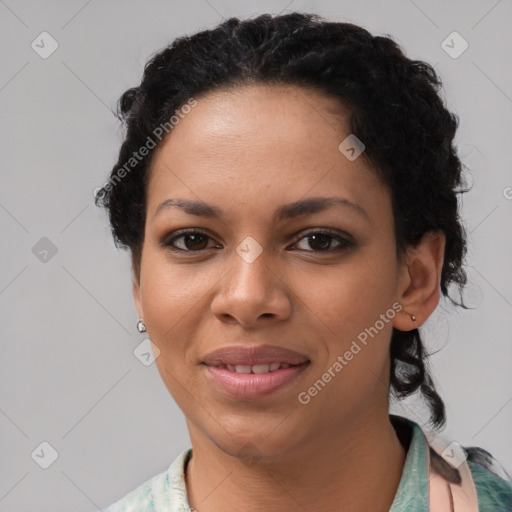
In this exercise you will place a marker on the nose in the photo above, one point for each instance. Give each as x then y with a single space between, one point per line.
251 292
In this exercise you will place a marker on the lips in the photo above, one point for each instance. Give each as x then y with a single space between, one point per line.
251 373
244 359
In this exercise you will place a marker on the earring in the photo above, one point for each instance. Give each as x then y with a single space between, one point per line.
141 326
413 318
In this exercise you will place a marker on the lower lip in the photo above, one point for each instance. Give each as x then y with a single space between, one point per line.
253 385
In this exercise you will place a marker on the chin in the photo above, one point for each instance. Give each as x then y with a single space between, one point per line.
250 442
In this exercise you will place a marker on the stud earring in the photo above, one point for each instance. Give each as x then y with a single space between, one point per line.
413 318
141 326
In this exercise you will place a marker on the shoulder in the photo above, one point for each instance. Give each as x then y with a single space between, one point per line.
494 491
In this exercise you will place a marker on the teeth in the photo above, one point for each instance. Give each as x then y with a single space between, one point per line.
255 368
243 368
260 368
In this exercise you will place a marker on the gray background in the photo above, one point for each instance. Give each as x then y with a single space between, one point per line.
68 375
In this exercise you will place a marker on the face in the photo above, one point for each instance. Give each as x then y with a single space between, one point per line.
314 281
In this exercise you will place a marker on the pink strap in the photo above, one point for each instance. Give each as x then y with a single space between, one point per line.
445 496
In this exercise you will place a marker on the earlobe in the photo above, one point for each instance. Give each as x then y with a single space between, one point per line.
406 321
423 288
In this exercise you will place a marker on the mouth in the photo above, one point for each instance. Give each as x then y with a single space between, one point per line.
252 382
249 372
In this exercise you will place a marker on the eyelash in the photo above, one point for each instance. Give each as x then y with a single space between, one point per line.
344 243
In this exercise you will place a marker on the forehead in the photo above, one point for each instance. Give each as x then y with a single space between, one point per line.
260 144
261 118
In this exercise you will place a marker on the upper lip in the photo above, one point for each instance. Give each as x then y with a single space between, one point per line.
262 354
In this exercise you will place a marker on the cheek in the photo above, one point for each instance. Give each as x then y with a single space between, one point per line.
168 290
351 297
353 324
171 298
169 295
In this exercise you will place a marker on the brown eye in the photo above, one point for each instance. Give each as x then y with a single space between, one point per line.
190 241
321 241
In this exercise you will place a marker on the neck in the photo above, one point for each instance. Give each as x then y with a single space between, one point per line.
358 469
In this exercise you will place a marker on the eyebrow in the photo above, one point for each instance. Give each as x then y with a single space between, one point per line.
296 209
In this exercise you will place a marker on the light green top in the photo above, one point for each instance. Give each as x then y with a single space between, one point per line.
166 492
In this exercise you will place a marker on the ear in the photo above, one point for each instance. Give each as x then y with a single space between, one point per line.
420 284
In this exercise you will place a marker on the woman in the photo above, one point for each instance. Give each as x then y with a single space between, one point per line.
287 188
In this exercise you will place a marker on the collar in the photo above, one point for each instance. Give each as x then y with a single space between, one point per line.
412 494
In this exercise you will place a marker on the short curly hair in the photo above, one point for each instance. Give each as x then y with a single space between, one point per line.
394 108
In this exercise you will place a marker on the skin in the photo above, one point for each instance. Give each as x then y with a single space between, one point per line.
248 151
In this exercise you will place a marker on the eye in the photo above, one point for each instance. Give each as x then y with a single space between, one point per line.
192 241
322 240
